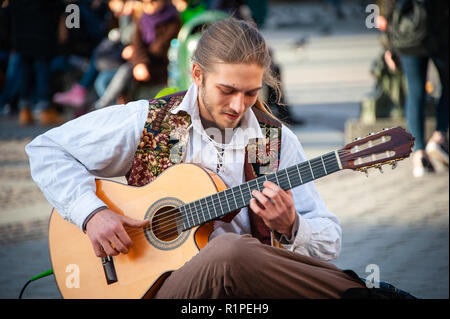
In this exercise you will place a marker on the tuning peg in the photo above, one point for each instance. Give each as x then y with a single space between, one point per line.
372 133
365 171
394 164
380 168
356 139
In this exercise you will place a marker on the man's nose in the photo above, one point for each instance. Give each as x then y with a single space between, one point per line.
237 103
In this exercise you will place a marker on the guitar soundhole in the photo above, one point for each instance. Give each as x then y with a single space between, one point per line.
165 223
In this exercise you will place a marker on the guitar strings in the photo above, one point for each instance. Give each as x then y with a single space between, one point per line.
214 203
198 213
162 233
169 218
172 232
244 192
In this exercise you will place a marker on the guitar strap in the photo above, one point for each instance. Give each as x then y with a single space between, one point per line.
258 227
271 153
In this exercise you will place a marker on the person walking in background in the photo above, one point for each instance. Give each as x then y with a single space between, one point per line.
415 66
34 43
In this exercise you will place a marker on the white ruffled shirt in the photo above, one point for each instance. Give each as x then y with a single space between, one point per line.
65 161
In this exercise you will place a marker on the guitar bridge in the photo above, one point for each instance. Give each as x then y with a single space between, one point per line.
110 270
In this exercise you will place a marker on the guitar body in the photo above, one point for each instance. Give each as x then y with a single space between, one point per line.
80 273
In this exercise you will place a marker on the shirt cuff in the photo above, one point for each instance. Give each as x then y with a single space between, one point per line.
300 234
288 240
83 207
303 236
91 215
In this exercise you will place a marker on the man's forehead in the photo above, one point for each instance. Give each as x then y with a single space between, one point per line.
237 88
240 77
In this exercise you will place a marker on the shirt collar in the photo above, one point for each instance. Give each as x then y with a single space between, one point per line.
249 126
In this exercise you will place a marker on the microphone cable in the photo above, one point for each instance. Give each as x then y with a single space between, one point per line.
41 275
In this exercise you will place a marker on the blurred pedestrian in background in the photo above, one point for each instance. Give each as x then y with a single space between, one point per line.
8 91
147 58
118 53
418 33
95 27
158 25
33 26
113 52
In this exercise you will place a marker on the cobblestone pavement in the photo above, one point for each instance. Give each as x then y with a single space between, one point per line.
390 220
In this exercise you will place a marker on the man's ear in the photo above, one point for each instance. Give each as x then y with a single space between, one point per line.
197 74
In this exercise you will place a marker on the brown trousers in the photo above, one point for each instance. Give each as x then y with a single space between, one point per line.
235 266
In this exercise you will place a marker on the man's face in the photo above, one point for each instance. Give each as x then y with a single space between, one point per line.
226 93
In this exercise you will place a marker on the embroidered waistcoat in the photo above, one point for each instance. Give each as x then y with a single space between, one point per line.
163 143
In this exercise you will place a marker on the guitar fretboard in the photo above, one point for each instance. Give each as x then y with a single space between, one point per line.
229 200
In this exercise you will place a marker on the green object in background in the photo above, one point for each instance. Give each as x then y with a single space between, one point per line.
167 91
182 48
191 12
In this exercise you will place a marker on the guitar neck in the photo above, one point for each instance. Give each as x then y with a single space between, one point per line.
232 199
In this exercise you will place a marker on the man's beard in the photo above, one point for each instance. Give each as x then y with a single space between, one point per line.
226 132
210 109
207 105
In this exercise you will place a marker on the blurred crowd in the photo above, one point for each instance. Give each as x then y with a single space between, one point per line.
83 55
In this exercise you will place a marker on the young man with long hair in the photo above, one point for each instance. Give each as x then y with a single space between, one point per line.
218 119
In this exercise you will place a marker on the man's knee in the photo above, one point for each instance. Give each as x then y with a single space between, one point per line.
231 249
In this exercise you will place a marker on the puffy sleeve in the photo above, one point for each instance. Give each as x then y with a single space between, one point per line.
65 160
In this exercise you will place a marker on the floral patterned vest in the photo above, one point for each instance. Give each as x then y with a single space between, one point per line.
163 142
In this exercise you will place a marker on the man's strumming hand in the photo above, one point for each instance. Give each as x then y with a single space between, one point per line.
107 232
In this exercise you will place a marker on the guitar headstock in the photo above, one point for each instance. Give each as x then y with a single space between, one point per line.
377 149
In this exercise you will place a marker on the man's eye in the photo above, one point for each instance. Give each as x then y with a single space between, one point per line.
226 92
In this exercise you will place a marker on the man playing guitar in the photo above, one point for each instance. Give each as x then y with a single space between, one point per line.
224 113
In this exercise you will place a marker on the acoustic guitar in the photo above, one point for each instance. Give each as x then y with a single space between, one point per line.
181 205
